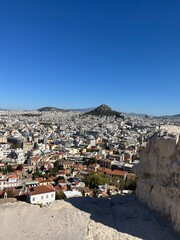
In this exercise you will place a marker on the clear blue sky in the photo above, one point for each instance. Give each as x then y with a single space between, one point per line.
81 53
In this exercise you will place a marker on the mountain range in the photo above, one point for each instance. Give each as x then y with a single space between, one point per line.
55 109
102 110
51 109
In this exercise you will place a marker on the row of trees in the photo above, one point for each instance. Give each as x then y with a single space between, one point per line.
93 179
49 173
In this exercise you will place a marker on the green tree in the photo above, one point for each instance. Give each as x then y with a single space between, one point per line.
52 171
46 175
59 178
57 164
130 184
4 171
92 180
120 184
36 174
106 179
60 195
9 168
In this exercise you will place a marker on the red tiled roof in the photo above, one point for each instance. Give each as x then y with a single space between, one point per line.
39 179
57 188
40 190
45 181
62 188
51 178
79 166
110 172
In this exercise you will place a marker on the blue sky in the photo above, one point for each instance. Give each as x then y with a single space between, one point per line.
77 54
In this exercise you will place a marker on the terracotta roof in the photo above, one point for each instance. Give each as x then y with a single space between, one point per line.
45 181
110 172
64 171
57 188
39 179
12 176
79 166
40 190
62 188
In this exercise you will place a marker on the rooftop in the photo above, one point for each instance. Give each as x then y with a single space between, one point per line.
40 190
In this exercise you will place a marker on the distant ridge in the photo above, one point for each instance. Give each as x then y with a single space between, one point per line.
104 110
4 109
51 109
177 115
55 109
169 116
81 109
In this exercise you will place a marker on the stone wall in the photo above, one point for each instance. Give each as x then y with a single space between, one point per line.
159 174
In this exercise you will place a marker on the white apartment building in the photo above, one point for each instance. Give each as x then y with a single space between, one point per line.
41 195
11 181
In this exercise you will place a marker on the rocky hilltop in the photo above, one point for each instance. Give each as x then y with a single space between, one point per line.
103 110
159 174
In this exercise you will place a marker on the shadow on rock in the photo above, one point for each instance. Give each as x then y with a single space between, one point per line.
127 215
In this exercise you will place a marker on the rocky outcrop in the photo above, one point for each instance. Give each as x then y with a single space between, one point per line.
159 174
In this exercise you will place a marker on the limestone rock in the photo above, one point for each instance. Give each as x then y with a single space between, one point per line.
119 218
159 174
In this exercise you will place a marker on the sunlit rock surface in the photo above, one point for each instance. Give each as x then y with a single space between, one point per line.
159 174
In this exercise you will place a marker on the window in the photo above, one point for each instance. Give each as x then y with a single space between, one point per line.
46 196
52 195
41 197
33 199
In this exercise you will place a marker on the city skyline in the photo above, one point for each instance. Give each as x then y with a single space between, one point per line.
77 54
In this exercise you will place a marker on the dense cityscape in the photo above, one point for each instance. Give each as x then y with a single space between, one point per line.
89 120
54 154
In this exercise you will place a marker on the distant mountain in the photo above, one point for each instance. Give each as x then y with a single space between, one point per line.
104 110
177 115
169 116
4 109
51 109
54 109
136 114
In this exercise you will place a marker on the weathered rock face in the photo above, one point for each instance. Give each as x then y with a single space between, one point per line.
159 174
